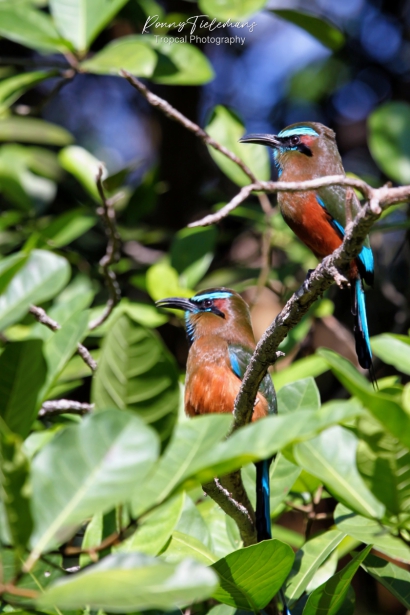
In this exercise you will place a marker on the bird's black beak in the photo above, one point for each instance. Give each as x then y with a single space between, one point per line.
177 303
270 140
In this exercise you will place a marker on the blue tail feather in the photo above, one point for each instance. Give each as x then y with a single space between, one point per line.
263 522
361 331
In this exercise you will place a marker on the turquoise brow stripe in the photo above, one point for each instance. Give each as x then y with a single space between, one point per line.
217 295
302 130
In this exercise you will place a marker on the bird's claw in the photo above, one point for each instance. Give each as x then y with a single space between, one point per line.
339 277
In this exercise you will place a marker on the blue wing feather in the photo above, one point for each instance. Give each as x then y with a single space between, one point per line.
239 357
365 255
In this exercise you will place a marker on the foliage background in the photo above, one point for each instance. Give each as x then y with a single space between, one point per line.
62 109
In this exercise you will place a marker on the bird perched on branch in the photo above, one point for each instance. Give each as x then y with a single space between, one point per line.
318 217
221 343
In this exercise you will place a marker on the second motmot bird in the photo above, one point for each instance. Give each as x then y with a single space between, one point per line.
318 217
221 343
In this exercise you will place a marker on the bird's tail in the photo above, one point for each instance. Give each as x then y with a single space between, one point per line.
263 524
263 527
361 331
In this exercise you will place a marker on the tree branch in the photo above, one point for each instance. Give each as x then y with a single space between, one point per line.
64 406
42 317
107 215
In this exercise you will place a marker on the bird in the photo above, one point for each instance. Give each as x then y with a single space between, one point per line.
221 343
308 150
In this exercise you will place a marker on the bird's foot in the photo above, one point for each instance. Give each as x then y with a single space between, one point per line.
339 277
309 273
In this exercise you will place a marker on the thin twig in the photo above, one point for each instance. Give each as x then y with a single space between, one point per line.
42 317
107 215
175 115
64 406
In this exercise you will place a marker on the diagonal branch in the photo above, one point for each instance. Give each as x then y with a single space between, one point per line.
107 214
42 317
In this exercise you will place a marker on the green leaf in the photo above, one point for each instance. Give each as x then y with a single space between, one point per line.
383 407
178 63
308 560
60 347
155 529
88 468
183 545
124 53
136 372
261 439
142 313
225 128
12 88
283 474
80 21
9 266
83 165
22 374
384 464
371 532
41 278
162 281
329 597
250 577
320 29
331 457
394 578
30 27
128 582
300 395
33 130
192 252
303 368
389 143
190 440
223 11
13 483
393 350
67 227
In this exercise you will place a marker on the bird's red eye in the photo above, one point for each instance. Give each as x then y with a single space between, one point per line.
295 140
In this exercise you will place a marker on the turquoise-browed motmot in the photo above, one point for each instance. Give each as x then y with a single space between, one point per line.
221 343
305 151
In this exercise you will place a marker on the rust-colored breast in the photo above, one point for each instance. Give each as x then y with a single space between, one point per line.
310 222
211 386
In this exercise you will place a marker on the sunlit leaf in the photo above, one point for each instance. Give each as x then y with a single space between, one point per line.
393 350
136 372
226 128
299 395
83 165
127 53
331 457
88 468
41 278
128 582
33 130
308 560
330 596
223 11
12 88
371 532
250 577
28 26
79 21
